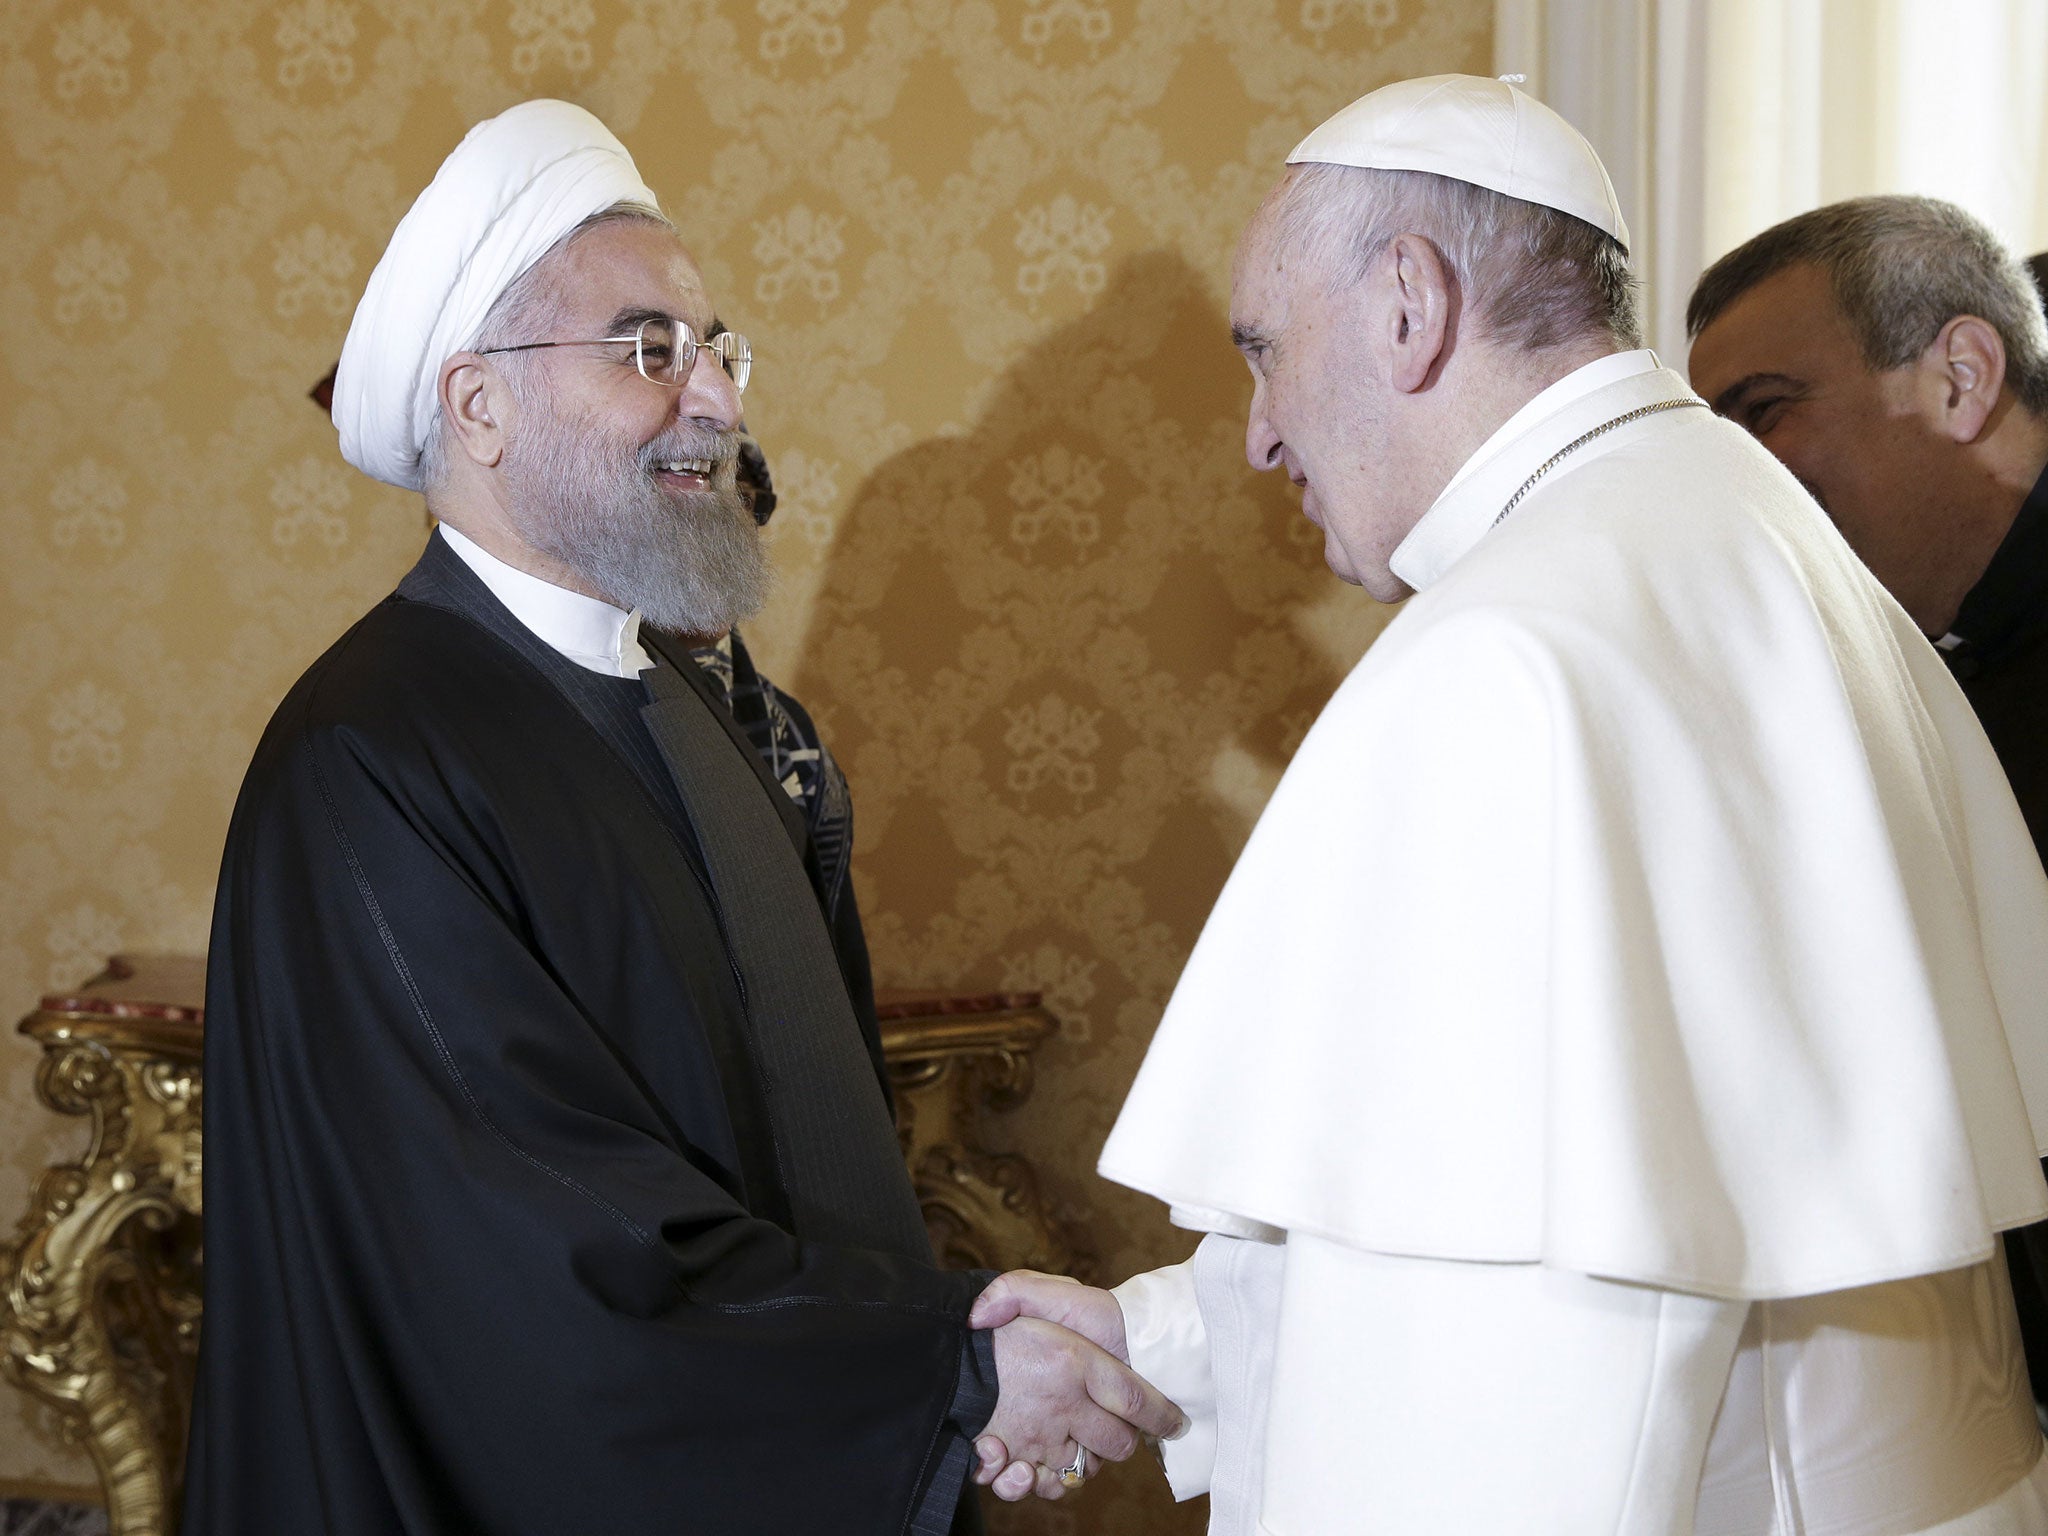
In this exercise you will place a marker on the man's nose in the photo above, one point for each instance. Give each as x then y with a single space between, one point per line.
709 395
1261 442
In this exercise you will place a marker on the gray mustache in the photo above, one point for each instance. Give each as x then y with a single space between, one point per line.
721 448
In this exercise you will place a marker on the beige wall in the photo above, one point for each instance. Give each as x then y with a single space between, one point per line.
1062 639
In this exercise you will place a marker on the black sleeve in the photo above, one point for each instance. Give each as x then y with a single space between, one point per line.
974 1398
459 1276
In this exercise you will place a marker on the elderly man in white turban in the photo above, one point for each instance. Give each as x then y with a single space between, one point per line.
1604 1075
550 1174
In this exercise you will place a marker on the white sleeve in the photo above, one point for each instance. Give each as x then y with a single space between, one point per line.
1169 1346
1202 1332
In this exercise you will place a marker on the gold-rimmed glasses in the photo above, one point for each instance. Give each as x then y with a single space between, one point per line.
665 350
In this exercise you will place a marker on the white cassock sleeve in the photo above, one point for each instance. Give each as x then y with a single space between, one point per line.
1169 1347
1203 1333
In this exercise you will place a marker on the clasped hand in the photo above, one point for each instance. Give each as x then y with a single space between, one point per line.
1063 1368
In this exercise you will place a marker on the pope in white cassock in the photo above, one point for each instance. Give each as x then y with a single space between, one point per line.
1607 1069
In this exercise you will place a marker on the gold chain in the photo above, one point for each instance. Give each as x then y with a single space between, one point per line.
1579 442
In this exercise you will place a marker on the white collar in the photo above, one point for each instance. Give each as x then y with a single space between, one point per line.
1460 517
590 632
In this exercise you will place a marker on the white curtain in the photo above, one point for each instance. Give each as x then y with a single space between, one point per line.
1718 118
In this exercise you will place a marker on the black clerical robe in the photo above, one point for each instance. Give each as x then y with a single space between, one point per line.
1998 651
500 1226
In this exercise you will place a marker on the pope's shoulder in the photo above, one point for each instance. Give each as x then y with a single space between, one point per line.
1691 524
1683 559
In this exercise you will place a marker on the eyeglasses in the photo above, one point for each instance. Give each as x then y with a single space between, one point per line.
665 350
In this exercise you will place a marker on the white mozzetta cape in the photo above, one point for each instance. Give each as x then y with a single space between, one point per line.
1647 903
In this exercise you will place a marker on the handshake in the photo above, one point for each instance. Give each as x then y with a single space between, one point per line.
1067 1390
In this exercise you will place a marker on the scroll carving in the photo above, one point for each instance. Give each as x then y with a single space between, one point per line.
984 1210
101 1316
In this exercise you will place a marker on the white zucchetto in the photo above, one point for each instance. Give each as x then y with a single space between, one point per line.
515 185
1474 130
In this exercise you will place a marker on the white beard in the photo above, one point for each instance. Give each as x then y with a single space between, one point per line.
692 563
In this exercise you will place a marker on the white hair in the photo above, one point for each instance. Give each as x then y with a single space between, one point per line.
1531 277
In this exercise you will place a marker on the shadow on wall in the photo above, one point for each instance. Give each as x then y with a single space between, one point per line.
1063 657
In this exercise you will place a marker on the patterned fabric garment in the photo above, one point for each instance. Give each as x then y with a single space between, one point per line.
782 732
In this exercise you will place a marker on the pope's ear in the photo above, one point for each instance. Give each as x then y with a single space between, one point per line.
1962 376
1420 322
476 405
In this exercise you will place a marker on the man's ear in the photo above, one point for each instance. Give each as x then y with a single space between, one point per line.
1420 321
477 405
1961 377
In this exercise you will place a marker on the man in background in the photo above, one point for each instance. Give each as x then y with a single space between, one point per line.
1892 353
551 1179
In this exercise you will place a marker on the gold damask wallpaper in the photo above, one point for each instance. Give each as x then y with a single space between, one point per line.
1061 637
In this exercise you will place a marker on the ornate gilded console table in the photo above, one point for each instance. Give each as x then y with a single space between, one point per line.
100 1312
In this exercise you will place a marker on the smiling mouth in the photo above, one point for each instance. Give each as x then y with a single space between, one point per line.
693 474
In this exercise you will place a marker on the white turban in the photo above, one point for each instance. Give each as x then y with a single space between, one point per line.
515 185
1471 129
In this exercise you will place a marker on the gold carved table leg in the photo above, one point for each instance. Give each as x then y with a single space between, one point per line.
984 1210
101 1303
